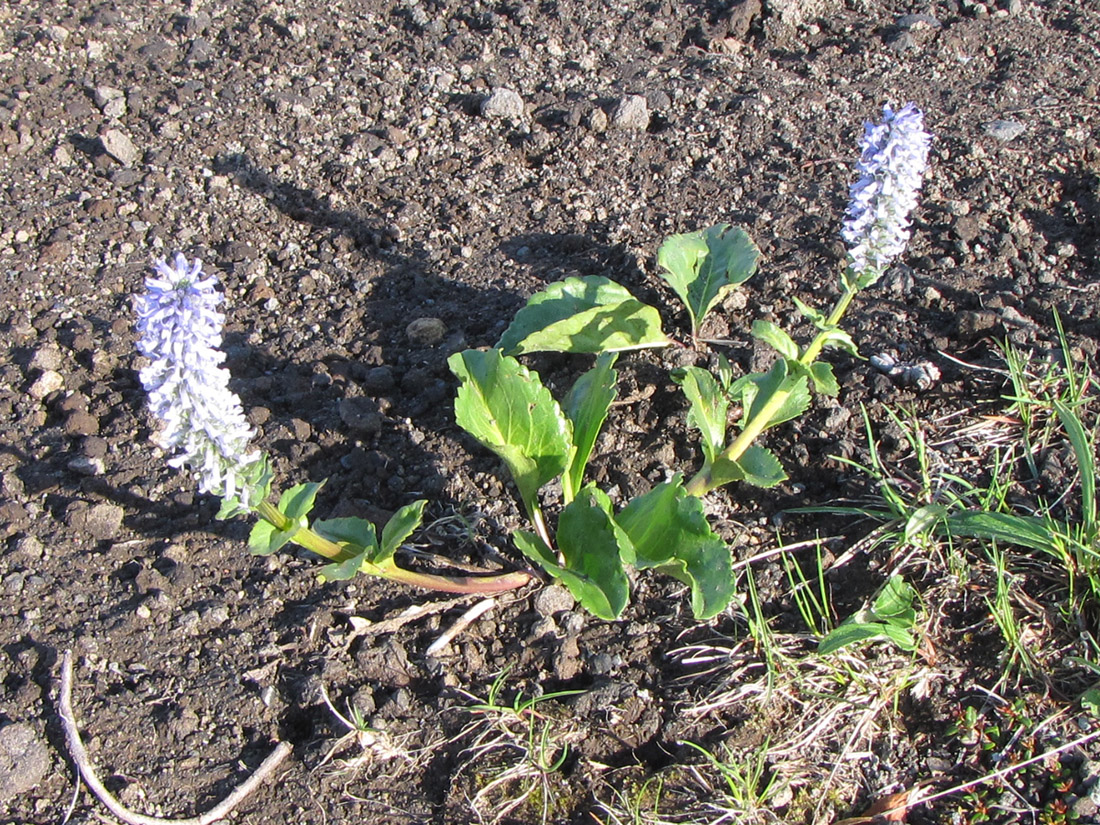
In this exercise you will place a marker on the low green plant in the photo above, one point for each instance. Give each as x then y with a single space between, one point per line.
536 742
891 617
506 407
748 783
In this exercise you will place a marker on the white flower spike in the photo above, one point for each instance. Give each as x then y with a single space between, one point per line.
204 426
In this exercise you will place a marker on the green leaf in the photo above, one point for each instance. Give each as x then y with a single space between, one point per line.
850 634
400 527
586 406
841 340
343 570
725 372
891 619
895 602
702 267
761 468
257 479
264 539
922 520
821 373
352 532
590 314
297 502
669 531
816 317
592 549
1022 531
756 389
709 407
776 338
505 406
1083 450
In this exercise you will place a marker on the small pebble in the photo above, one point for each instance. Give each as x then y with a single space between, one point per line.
553 599
24 759
48 382
118 145
505 104
1004 130
426 332
632 114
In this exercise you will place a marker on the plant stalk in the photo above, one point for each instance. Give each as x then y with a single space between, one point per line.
702 483
315 543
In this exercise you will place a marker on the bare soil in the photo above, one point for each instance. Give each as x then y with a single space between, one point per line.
335 165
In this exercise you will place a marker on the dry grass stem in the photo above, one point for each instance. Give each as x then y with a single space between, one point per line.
84 766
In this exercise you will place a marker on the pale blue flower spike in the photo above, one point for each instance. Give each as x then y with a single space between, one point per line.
204 427
894 159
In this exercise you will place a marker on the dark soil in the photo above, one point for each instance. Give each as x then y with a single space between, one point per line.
334 165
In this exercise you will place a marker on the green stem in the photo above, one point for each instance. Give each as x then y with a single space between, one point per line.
315 543
702 483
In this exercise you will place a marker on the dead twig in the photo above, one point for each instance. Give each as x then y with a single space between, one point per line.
464 621
87 772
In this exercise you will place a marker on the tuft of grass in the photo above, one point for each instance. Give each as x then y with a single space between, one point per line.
516 750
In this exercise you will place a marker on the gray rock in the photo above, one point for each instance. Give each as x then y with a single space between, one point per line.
24 760
118 145
48 382
426 332
110 101
796 12
632 114
361 415
57 34
104 520
1015 7
87 466
503 103
46 357
597 120
378 380
911 22
1004 130
553 599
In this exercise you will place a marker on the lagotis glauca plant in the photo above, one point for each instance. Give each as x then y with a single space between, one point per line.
505 406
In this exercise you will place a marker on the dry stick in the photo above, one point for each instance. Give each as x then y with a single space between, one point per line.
989 777
84 765
464 621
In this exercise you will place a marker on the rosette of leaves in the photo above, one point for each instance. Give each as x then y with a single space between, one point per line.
506 407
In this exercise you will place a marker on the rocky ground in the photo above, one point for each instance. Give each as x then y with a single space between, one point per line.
379 184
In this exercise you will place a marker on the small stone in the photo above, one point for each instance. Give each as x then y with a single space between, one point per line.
57 34
46 357
597 120
505 104
378 380
553 599
54 252
28 549
632 114
361 416
118 145
85 466
48 382
81 422
24 760
915 22
110 101
1004 130
102 521
426 332
1015 7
